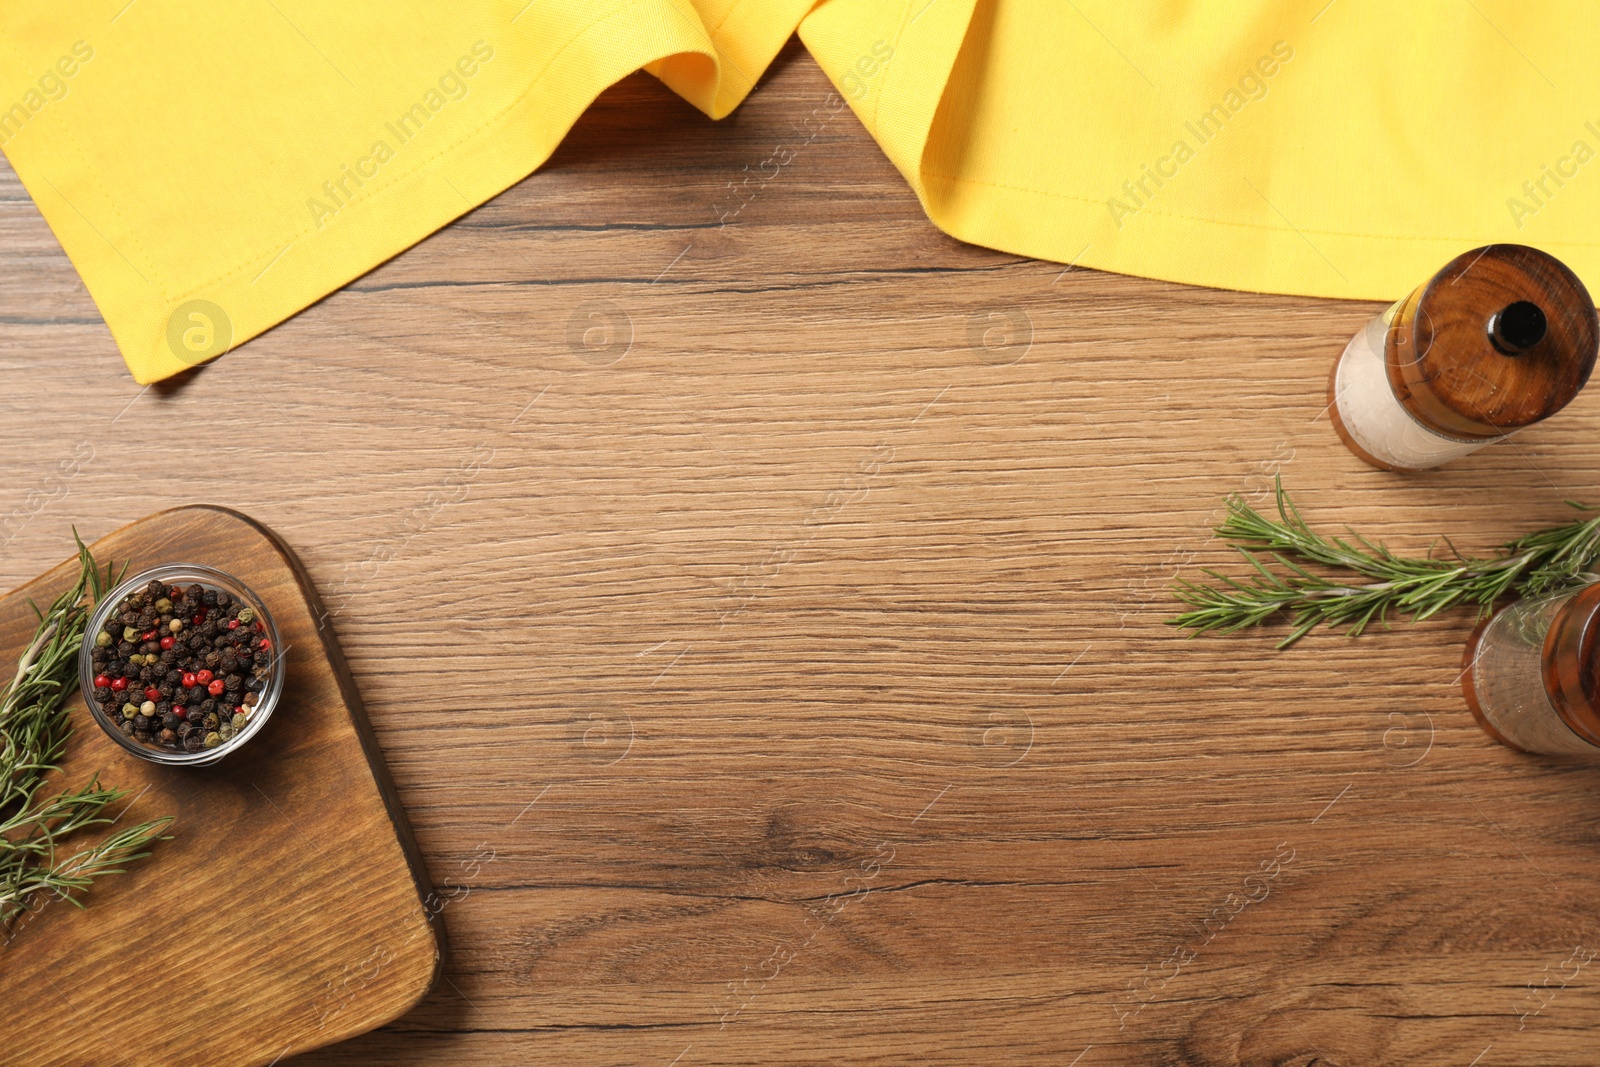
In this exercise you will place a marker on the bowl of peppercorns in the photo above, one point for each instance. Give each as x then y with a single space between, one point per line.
181 664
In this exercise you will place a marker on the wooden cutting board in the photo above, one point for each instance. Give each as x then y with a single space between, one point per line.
289 910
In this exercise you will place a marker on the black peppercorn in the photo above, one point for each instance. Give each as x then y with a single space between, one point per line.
222 643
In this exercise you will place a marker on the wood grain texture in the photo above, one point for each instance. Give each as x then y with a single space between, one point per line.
289 910
801 661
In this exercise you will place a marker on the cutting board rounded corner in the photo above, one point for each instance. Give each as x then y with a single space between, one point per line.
348 936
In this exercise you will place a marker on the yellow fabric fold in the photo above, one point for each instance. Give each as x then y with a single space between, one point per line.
213 168
1318 147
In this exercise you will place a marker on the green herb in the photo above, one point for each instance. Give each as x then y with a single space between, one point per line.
1547 561
35 854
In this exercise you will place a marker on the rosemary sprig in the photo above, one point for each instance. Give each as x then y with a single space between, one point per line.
36 856
1419 587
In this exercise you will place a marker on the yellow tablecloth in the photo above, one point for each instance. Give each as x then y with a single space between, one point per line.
212 168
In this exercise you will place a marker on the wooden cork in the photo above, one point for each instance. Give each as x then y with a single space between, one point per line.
1571 664
1501 338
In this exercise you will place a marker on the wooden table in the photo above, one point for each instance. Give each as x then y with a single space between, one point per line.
759 598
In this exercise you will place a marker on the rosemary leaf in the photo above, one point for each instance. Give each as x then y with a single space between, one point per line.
1280 583
35 831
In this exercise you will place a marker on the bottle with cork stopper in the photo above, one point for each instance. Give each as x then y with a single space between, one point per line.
1503 337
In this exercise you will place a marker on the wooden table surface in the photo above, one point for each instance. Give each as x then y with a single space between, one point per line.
759 599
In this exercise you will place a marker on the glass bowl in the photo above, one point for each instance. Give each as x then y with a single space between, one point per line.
209 578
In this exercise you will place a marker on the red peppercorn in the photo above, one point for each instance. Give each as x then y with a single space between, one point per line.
265 644
216 688
152 693
148 635
180 711
261 627
189 679
119 684
175 593
167 642
200 618
233 624
101 681
203 676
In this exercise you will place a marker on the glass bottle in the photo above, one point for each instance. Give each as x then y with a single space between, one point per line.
1501 338
1530 674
